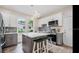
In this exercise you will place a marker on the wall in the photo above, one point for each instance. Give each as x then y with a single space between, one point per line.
43 21
10 17
65 19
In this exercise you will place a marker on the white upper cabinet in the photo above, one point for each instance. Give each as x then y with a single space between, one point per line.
68 12
9 19
6 18
13 20
57 16
67 25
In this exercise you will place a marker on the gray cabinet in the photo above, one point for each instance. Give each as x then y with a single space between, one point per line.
11 39
59 40
0 49
27 44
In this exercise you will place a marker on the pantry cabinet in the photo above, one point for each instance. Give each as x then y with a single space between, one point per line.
67 25
67 12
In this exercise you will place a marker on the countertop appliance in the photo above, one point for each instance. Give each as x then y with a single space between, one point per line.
2 30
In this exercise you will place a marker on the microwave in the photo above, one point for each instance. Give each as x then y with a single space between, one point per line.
53 23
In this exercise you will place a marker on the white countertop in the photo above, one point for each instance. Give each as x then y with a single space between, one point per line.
11 33
33 35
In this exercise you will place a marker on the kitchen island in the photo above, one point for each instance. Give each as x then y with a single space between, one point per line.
28 39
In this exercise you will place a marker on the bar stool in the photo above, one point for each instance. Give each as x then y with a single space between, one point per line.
50 42
40 45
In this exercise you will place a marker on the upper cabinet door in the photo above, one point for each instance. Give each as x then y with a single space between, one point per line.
57 16
6 19
13 20
68 12
67 24
10 20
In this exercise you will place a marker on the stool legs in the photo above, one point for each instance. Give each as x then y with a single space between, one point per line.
47 45
40 47
50 44
44 47
50 40
34 47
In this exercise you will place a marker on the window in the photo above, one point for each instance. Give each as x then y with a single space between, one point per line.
21 25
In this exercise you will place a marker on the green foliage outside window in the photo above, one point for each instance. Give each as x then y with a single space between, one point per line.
30 25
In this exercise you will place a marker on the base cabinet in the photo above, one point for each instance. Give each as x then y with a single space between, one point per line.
0 46
0 49
11 39
27 44
59 40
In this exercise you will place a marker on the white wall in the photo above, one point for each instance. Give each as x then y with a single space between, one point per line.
65 19
10 17
43 21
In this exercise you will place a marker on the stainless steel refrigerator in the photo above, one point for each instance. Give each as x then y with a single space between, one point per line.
2 30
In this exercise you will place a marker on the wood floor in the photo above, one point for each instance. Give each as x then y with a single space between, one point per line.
14 49
18 48
55 49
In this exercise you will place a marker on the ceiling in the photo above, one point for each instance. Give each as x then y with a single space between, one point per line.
42 10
